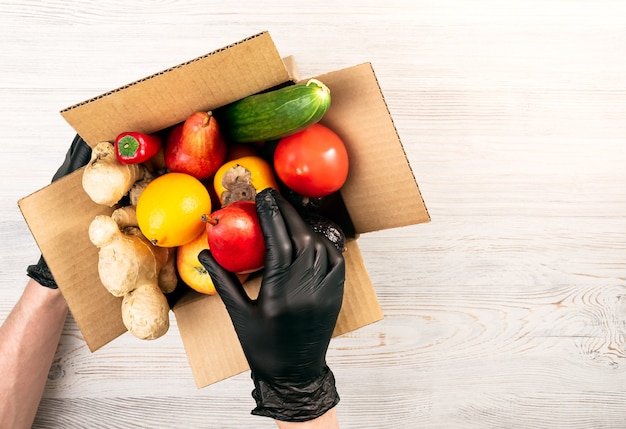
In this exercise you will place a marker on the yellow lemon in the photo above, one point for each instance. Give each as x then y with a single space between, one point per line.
170 209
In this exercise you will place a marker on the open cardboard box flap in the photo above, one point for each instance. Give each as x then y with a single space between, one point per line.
59 214
168 97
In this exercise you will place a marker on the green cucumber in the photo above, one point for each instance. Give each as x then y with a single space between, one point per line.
274 114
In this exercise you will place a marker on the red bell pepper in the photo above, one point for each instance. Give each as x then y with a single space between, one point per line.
134 148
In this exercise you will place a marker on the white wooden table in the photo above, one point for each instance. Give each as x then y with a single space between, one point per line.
508 310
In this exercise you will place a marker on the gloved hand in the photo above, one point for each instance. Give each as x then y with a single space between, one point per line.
77 156
285 332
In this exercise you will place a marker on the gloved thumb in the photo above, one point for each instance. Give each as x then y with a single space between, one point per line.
226 283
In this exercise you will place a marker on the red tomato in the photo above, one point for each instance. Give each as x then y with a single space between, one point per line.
312 162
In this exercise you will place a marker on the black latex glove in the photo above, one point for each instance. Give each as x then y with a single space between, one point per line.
77 156
285 332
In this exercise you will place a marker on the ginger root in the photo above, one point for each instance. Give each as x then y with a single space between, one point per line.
168 277
131 267
125 216
145 312
137 188
124 258
126 219
105 179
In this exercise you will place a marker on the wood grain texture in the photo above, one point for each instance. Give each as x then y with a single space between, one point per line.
508 310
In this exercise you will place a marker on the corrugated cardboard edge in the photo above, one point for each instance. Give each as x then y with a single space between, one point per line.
292 68
209 338
381 191
360 305
166 98
61 232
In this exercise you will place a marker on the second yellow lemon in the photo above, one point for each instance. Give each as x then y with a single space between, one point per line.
170 209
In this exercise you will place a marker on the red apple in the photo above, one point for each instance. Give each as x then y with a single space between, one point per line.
191 270
235 237
195 147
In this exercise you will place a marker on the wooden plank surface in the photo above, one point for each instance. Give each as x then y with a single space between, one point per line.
508 310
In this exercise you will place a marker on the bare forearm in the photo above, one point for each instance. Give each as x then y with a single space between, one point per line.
28 341
326 421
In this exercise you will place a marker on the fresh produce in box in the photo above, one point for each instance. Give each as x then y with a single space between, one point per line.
313 162
134 148
145 312
170 209
189 267
235 237
129 266
195 147
274 140
105 179
274 114
242 178
191 271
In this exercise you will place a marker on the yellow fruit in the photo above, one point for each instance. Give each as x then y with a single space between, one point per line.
191 271
170 209
241 179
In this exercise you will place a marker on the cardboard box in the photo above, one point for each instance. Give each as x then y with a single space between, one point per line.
59 214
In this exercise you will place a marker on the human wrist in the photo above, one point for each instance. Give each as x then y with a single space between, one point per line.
295 401
44 298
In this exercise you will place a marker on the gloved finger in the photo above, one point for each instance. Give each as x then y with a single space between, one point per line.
77 156
227 285
302 235
278 250
297 229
